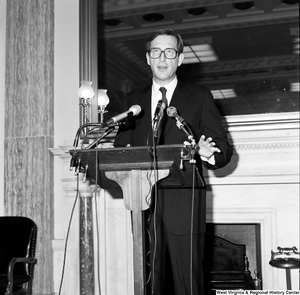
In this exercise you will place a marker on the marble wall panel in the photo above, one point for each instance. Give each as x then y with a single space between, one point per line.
28 164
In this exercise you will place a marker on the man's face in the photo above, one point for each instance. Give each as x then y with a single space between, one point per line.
164 69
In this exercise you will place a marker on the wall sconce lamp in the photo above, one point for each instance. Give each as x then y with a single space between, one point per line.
85 93
103 101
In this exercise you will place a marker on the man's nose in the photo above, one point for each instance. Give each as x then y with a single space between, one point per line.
162 56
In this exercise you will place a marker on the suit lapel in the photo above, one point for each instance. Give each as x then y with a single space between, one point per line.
180 97
180 101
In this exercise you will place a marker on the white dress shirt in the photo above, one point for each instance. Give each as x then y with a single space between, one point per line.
156 94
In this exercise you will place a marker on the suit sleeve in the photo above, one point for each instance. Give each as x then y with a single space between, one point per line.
124 134
212 127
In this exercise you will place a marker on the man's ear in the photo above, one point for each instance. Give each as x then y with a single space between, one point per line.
180 59
148 58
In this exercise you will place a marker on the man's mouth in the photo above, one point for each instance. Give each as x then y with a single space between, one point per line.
162 68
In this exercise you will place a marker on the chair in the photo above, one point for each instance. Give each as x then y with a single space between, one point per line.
17 254
225 265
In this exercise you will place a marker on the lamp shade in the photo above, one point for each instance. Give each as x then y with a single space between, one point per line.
103 99
86 90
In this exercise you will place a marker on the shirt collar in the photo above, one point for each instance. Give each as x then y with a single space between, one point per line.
170 88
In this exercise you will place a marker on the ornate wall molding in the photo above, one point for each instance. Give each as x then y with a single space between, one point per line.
266 150
262 122
272 146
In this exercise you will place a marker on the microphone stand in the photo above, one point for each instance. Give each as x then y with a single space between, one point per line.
110 123
91 145
155 131
77 136
190 137
97 141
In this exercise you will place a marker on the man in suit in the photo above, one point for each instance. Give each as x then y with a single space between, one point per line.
177 231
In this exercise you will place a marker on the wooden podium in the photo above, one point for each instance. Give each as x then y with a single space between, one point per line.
132 169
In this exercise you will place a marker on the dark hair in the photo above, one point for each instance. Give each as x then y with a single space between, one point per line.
167 32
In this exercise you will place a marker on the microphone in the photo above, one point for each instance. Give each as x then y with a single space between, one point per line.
133 111
172 112
180 123
159 113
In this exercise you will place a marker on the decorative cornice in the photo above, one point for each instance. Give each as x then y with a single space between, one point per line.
238 19
265 146
114 8
278 131
62 152
253 122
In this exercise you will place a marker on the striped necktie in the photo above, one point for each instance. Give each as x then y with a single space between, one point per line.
163 91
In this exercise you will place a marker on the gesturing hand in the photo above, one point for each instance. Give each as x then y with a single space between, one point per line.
207 147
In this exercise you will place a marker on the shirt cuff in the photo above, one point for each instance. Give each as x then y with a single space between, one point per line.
210 160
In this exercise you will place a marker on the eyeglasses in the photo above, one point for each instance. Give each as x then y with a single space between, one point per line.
170 53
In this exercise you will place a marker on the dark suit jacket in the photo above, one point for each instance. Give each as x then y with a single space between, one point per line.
196 105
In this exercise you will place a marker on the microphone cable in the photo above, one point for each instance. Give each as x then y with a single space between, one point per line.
149 201
95 144
96 209
155 170
148 222
67 236
192 229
